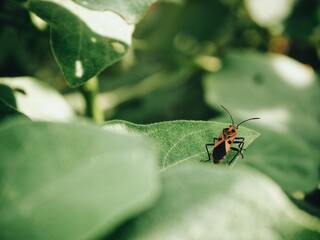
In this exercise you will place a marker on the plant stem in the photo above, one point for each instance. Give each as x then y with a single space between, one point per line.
90 92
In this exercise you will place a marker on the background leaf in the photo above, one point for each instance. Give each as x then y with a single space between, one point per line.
274 83
97 39
180 141
132 10
216 203
284 93
7 95
63 181
7 111
8 105
38 100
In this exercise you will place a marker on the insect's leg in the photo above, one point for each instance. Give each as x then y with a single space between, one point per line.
210 144
240 142
240 138
234 157
238 150
208 152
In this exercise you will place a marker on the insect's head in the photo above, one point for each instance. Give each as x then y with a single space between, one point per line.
233 127
231 130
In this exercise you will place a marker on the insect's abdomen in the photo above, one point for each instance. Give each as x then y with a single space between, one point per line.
219 152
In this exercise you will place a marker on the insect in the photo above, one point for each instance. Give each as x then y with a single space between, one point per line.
222 144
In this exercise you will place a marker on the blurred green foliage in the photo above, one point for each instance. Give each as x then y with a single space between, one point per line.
48 188
185 59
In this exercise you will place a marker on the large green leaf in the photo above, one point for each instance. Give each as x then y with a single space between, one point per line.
283 93
84 41
132 10
38 100
292 163
181 141
279 89
198 202
62 181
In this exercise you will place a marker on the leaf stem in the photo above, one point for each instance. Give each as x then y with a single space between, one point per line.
90 92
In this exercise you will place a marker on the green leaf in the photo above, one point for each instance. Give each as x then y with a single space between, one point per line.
8 105
132 10
38 100
7 111
7 95
282 92
63 181
287 159
83 41
198 202
276 88
181 141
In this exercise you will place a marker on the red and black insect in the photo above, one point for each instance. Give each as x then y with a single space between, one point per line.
222 144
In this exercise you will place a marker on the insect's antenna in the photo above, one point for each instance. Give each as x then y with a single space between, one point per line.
229 114
247 120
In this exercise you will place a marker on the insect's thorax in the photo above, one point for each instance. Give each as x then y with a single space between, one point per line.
230 132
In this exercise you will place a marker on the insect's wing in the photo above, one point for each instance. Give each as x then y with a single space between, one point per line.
219 152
